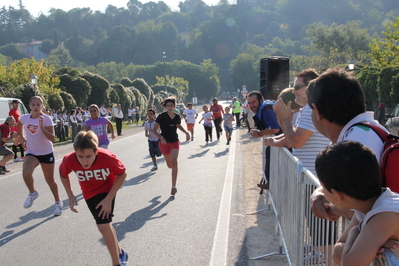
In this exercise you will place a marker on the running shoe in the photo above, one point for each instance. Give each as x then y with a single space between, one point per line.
30 199
173 191
210 140
5 170
58 208
228 142
123 257
18 160
154 168
2 171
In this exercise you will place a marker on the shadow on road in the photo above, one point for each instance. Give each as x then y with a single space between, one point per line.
138 179
137 219
9 235
200 154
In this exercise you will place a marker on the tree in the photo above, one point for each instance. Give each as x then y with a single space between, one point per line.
12 50
244 71
385 52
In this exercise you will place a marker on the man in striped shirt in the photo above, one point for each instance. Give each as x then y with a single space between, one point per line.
304 139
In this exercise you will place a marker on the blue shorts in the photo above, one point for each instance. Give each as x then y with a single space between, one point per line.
229 130
154 148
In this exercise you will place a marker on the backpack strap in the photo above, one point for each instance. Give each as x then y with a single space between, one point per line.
379 131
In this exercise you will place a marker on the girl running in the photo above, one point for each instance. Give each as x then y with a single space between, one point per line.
169 144
37 137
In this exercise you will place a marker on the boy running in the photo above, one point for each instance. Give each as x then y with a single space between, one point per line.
100 175
190 115
153 142
228 123
207 117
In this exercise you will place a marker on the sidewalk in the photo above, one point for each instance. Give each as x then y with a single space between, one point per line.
260 235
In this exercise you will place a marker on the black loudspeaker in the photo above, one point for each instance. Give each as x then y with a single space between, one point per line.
274 76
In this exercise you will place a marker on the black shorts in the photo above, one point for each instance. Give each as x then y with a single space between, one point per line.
48 158
92 204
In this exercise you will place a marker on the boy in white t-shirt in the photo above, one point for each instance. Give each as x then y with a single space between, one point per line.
153 141
190 115
350 178
207 116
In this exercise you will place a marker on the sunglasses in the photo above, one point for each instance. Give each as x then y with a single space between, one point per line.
298 87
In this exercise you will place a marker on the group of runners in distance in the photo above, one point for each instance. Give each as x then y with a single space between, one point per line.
91 158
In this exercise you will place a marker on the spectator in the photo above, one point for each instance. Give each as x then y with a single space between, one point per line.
130 115
6 135
137 115
60 127
217 111
118 119
14 112
266 124
74 123
99 125
350 179
66 122
103 110
337 103
79 119
306 141
237 110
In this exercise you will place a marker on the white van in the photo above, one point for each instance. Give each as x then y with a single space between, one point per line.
6 106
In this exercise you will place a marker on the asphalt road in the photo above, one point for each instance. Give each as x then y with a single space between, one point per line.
203 225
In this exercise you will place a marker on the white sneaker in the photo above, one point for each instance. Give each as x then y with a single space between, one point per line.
58 208
30 199
18 160
154 168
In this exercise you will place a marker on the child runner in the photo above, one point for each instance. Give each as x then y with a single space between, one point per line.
169 122
190 115
37 137
100 176
207 117
98 125
153 142
228 123
350 178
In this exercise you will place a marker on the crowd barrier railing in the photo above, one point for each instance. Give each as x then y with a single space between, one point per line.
306 239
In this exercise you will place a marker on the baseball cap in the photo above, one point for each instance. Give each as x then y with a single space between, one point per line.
15 101
215 98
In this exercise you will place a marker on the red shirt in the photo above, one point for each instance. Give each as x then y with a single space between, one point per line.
216 110
5 131
15 113
99 178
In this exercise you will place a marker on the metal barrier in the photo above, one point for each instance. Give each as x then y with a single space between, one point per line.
306 239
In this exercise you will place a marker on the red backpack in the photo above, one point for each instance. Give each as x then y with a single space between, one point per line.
389 157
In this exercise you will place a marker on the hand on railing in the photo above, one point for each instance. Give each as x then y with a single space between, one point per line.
321 207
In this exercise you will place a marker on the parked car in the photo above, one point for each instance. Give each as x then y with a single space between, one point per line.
6 106
392 123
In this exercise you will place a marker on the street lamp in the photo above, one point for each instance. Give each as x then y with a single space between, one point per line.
164 70
351 65
33 80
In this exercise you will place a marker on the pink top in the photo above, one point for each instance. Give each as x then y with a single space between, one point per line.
36 141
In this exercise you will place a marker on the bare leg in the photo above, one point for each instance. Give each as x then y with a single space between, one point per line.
6 159
29 165
168 159
154 160
109 236
174 154
48 172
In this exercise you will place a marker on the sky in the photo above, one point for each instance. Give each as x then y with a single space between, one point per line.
37 6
